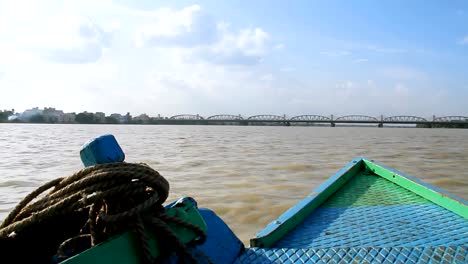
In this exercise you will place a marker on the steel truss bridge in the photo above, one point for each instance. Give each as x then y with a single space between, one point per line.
312 119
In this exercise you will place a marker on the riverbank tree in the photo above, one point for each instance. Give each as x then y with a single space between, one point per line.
5 114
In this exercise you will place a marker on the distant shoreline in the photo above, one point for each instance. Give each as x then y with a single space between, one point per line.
292 124
50 115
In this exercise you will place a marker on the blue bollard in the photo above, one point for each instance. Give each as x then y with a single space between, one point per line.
103 149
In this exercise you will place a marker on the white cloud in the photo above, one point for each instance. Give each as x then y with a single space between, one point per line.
63 39
80 41
246 47
176 70
463 41
56 36
203 38
187 27
189 72
252 41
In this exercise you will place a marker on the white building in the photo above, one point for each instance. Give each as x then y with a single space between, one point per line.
27 114
69 117
52 115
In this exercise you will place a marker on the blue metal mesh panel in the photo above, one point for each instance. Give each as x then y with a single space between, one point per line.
371 220
440 254
378 226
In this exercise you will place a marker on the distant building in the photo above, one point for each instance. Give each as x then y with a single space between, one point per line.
100 117
143 118
69 117
118 117
52 115
27 114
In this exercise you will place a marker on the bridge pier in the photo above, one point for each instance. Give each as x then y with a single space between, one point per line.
380 125
332 124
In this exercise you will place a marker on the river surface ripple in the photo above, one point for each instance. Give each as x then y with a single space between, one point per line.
247 175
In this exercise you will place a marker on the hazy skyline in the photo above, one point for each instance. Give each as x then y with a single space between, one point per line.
237 57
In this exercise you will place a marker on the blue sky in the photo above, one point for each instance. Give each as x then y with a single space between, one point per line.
236 57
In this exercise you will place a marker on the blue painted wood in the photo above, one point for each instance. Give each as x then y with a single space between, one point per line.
317 196
103 149
222 245
378 226
363 224
427 254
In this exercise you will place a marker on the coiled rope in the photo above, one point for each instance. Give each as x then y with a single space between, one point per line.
93 205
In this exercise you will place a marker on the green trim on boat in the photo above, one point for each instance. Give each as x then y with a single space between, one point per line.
126 249
420 188
363 183
296 214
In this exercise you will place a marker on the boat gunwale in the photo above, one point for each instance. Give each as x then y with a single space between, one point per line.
435 195
297 213
287 221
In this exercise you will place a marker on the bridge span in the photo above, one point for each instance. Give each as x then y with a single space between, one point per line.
268 119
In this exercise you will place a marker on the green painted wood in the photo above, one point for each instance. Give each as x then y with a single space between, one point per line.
295 215
366 189
120 250
420 188
125 248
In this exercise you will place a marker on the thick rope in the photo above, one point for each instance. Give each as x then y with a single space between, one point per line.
82 189
117 196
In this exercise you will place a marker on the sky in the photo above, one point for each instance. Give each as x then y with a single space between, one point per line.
389 57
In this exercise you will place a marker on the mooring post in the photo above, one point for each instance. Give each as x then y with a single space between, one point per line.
103 149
